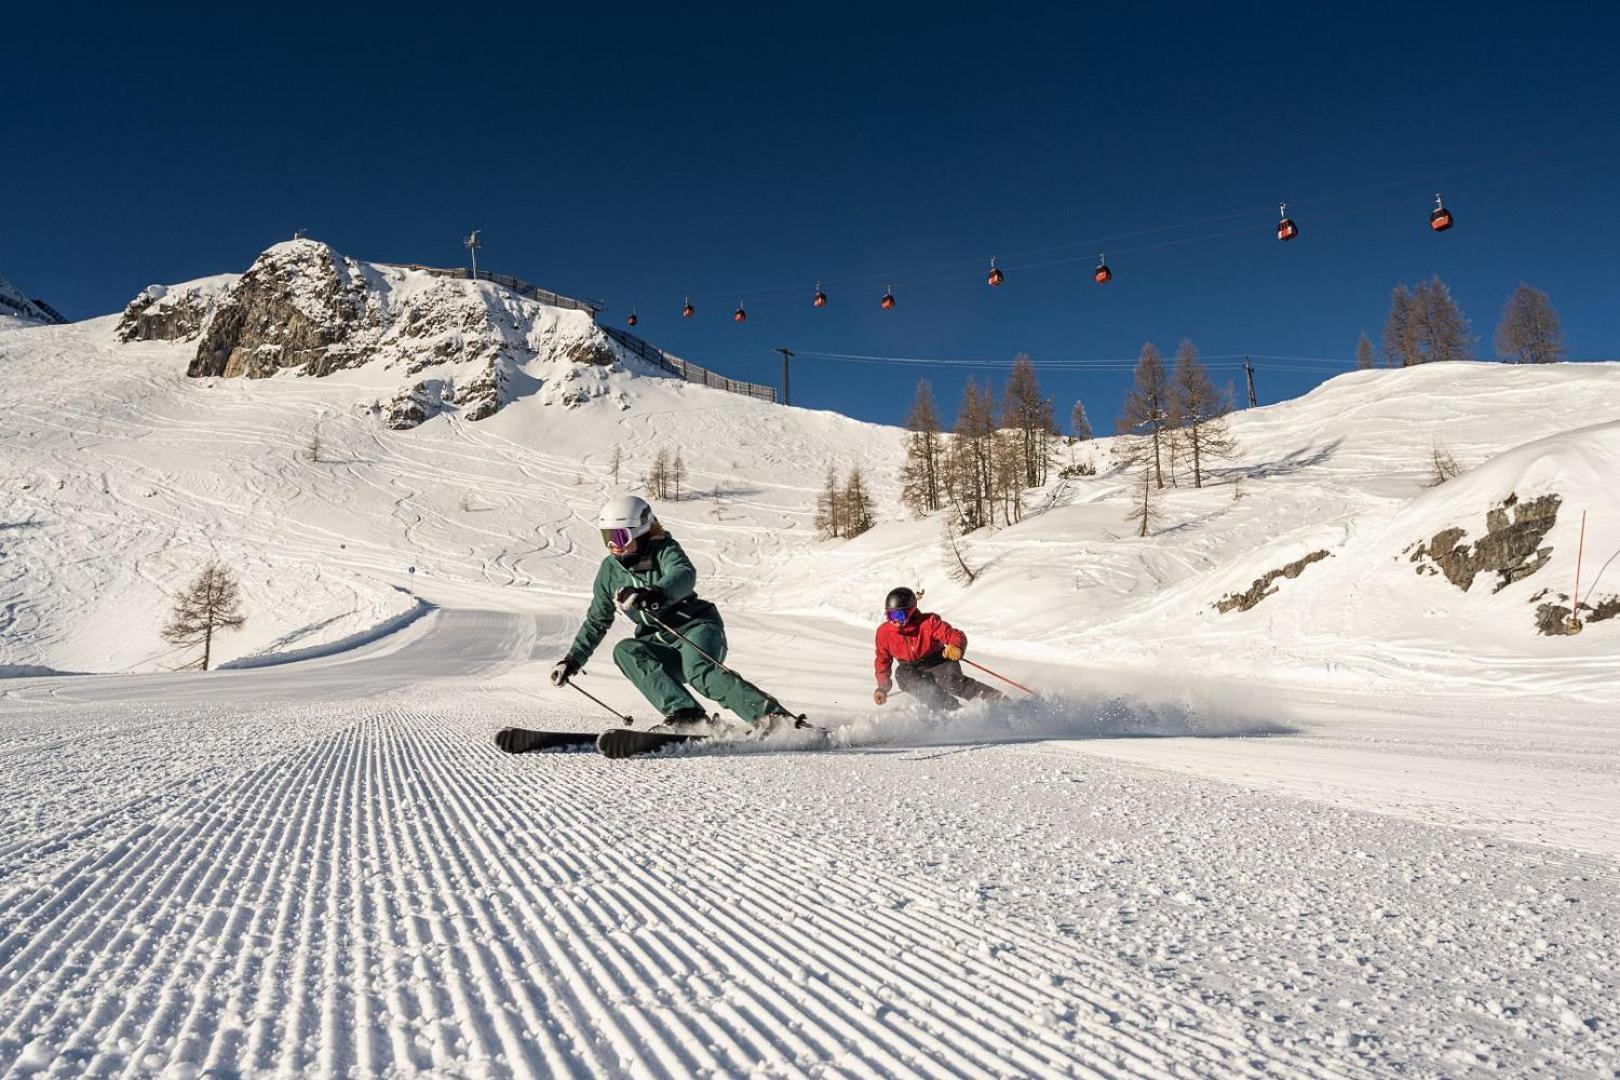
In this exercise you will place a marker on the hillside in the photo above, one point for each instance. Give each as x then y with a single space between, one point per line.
1363 827
130 473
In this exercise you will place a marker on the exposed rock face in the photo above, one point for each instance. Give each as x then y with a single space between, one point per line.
161 314
1552 619
483 396
303 307
590 352
296 306
410 407
1509 549
1264 585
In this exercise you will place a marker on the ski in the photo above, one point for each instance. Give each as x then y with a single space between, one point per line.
523 740
628 742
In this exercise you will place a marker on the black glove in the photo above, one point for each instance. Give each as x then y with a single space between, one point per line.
628 599
565 669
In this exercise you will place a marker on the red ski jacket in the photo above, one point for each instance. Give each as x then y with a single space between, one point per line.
920 636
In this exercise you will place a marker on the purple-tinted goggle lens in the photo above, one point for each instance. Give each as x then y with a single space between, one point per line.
897 614
618 538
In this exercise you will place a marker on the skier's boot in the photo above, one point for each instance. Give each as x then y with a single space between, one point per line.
686 721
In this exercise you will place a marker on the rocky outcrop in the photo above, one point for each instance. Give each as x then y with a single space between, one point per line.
590 352
303 309
410 407
1510 549
297 306
1264 585
1552 618
483 397
159 313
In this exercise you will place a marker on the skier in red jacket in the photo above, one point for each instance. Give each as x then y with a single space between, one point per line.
928 651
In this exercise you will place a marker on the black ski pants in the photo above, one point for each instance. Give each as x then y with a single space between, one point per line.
938 682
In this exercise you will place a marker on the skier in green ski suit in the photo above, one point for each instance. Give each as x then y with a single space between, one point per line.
647 575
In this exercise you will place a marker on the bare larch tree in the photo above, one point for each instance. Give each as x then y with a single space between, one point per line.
1028 417
658 478
677 474
970 459
830 512
1201 432
1136 456
1425 326
1080 423
1529 332
922 482
1365 356
858 506
210 604
952 554
1147 406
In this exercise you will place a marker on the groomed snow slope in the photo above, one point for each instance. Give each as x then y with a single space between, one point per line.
1350 850
125 475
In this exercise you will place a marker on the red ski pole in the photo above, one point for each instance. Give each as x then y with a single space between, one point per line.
1000 676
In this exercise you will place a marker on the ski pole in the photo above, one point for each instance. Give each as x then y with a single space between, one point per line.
625 719
799 721
1000 676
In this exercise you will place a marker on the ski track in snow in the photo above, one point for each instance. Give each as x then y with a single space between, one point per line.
398 895
328 869
365 886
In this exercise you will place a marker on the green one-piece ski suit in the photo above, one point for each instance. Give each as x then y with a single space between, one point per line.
658 663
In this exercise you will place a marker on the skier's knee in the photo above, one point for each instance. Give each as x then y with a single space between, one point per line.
628 653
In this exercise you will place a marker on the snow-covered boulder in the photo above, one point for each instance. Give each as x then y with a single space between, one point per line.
305 309
178 313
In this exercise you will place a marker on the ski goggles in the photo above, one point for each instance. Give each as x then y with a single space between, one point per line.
617 538
898 615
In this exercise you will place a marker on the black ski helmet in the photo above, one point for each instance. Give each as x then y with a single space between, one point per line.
901 599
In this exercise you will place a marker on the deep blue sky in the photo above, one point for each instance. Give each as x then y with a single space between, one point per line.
731 152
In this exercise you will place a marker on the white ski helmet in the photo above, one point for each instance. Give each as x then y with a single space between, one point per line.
624 519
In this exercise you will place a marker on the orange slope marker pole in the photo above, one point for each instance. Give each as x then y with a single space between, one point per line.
1575 597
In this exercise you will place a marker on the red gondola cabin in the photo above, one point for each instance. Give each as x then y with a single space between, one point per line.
688 311
1439 217
1286 229
996 276
1102 275
888 299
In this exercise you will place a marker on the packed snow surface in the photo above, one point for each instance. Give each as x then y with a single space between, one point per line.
1364 827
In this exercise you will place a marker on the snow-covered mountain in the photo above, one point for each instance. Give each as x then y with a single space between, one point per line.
1319 554
1378 839
16 307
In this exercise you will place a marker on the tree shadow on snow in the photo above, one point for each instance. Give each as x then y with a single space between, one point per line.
1298 461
